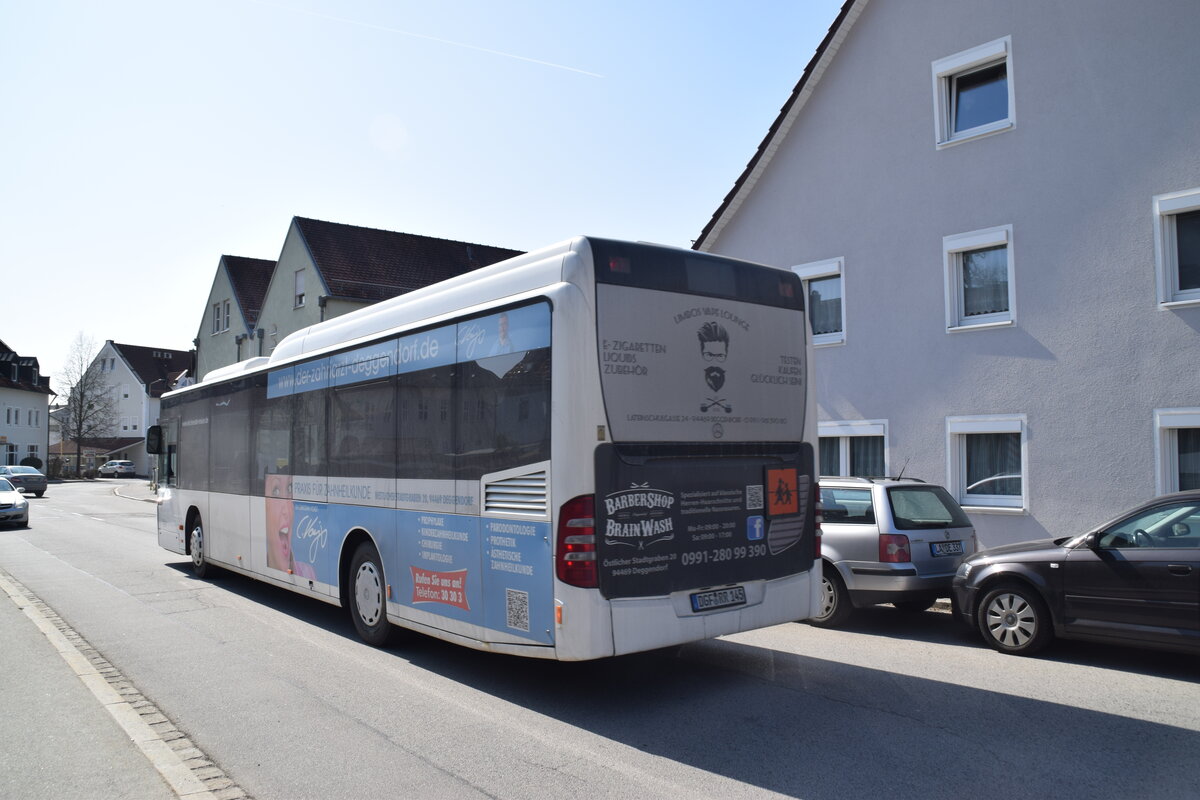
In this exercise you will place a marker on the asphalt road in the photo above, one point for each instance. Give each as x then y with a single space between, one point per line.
281 695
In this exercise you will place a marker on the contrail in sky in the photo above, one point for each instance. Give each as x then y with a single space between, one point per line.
429 38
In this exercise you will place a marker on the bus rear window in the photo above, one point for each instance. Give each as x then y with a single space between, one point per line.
670 270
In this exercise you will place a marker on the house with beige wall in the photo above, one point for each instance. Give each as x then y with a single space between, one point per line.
324 270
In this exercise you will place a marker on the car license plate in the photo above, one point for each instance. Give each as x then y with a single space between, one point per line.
719 598
946 548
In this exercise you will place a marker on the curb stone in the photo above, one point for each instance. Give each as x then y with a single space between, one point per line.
170 750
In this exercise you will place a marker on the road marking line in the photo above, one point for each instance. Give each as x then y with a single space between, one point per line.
170 766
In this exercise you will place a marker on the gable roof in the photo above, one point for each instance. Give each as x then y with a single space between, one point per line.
778 131
155 367
250 278
370 265
28 373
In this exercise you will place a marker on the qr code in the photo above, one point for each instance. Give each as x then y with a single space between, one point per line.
518 610
754 498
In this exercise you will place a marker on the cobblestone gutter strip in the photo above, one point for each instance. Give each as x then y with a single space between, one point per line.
188 771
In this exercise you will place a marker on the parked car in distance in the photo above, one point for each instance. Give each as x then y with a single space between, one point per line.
27 478
887 540
117 469
14 508
1133 581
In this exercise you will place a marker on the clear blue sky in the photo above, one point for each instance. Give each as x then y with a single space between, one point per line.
143 139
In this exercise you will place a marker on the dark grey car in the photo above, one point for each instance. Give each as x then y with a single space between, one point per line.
1134 581
27 478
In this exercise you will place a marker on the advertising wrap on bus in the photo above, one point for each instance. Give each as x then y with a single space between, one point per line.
686 368
667 523
707 483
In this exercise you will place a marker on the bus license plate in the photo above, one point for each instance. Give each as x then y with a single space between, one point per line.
946 548
719 598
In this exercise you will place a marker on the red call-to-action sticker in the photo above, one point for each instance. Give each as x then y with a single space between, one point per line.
448 588
783 495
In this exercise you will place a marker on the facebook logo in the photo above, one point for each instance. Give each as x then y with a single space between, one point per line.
756 528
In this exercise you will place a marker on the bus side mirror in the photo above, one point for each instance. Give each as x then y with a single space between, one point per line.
154 440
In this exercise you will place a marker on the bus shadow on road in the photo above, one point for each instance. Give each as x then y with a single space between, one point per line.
809 727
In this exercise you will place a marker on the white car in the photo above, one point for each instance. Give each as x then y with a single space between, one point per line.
14 508
118 469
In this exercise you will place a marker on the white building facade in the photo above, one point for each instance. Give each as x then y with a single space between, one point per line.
996 209
24 409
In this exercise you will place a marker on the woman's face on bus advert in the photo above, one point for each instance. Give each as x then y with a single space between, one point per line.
278 489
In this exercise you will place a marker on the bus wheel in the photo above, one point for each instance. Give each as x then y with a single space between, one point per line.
200 566
368 607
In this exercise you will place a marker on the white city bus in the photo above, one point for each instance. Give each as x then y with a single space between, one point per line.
592 449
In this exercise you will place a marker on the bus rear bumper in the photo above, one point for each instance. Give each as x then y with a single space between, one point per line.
646 623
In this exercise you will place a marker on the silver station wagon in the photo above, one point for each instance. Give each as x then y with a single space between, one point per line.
888 540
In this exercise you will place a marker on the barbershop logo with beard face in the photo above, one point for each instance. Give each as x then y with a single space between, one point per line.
714 348
639 516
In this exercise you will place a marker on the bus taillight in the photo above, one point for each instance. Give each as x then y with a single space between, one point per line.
576 560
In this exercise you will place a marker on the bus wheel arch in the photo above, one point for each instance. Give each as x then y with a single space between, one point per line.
193 544
363 588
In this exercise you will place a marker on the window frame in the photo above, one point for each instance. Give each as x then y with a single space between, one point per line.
1167 423
957 429
216 319
298 289
844 430
947 70
815 270
225 320
953 248
1166 208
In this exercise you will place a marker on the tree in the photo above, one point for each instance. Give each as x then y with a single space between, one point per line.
91 404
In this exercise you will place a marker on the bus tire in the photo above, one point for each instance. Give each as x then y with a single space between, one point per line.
201 567
368 596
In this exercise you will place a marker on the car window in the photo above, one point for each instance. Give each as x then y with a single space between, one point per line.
847 505
1170 526
925 507
5 486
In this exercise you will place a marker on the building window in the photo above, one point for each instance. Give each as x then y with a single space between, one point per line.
973 93
10 456
1177 449
853 447
31 451
979 279
216 319
299 288
987 461
1177 248
225 325
824 286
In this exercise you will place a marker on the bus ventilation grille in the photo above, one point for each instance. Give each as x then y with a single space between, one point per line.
523 494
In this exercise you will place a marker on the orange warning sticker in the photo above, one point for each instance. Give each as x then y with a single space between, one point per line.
783 495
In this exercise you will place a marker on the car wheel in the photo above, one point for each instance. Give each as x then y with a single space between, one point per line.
39 494
835 606
915 606
368 605
200 566
1013 619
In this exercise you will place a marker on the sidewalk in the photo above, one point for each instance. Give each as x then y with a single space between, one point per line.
138 489
73 725
57 739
